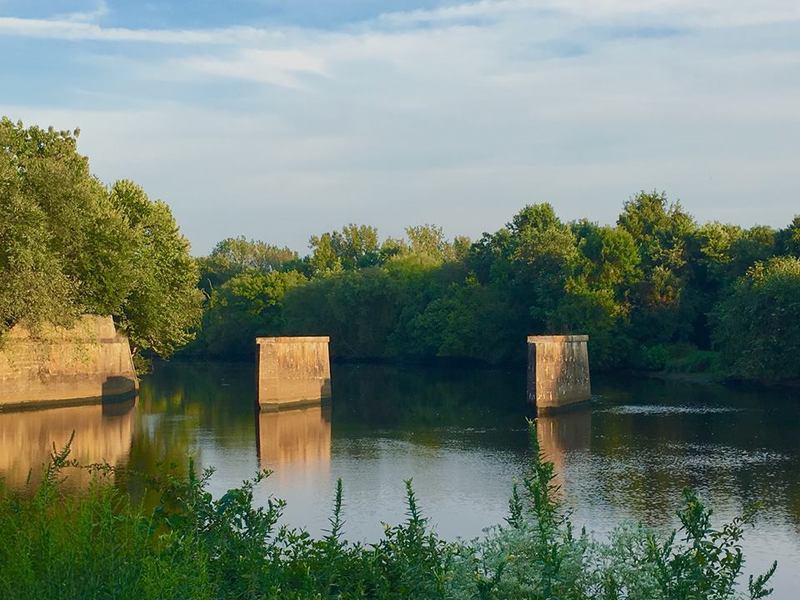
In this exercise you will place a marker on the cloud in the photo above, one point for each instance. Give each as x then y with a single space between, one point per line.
277 67
100 10
457 115
695 13
78 30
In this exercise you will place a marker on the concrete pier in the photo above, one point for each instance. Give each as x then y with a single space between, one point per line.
558 371
293 371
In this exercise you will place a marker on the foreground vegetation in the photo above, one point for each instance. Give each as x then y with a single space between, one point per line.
192 546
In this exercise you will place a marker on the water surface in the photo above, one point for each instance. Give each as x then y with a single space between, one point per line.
461 435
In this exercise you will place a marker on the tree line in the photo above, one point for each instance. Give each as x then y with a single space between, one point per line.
655 290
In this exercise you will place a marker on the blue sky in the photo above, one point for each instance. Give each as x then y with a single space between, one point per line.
280 119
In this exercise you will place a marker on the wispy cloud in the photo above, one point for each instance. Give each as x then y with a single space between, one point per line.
697 13
86 16
277 67
457 114
78 30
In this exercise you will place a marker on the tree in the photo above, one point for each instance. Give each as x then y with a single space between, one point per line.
428 240
357 309
71 246
356 246
596 296
757 244
324 258
544 256
66 249
34 287
757 326
663 311
660 229
247 305
233 256
788 239
164 305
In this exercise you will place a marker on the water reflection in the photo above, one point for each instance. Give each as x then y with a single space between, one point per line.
295 439
461 435
103 433
561 435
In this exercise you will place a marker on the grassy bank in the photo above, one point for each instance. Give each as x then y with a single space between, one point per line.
99 545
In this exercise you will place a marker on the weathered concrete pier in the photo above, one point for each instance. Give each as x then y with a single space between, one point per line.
558 371
293 371
57 365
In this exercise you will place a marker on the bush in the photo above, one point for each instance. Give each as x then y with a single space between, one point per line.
677 358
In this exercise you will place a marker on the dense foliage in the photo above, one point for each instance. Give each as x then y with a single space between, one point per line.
99 545
759 321
70 245
652 292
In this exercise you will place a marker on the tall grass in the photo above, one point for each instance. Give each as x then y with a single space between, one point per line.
97 544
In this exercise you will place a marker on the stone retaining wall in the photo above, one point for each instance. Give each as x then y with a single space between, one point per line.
56 365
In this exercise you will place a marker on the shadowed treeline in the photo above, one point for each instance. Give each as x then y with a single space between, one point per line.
657 290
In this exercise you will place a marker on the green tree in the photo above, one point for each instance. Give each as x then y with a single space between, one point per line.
429 240
758 323
34 287
233 256
66 250
71 246
757 244
789 238
247 305
663 310
358 309
164 305
596 296
544 256
324 259
356 246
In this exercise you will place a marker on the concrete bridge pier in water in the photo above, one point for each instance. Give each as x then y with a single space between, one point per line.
558 372
293 371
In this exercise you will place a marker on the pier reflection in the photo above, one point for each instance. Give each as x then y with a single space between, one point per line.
295 439
562 434
103 433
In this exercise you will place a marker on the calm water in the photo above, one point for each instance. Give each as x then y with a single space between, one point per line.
461 436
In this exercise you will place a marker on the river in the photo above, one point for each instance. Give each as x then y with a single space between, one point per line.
461 435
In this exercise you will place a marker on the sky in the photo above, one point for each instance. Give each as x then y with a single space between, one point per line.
279 119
